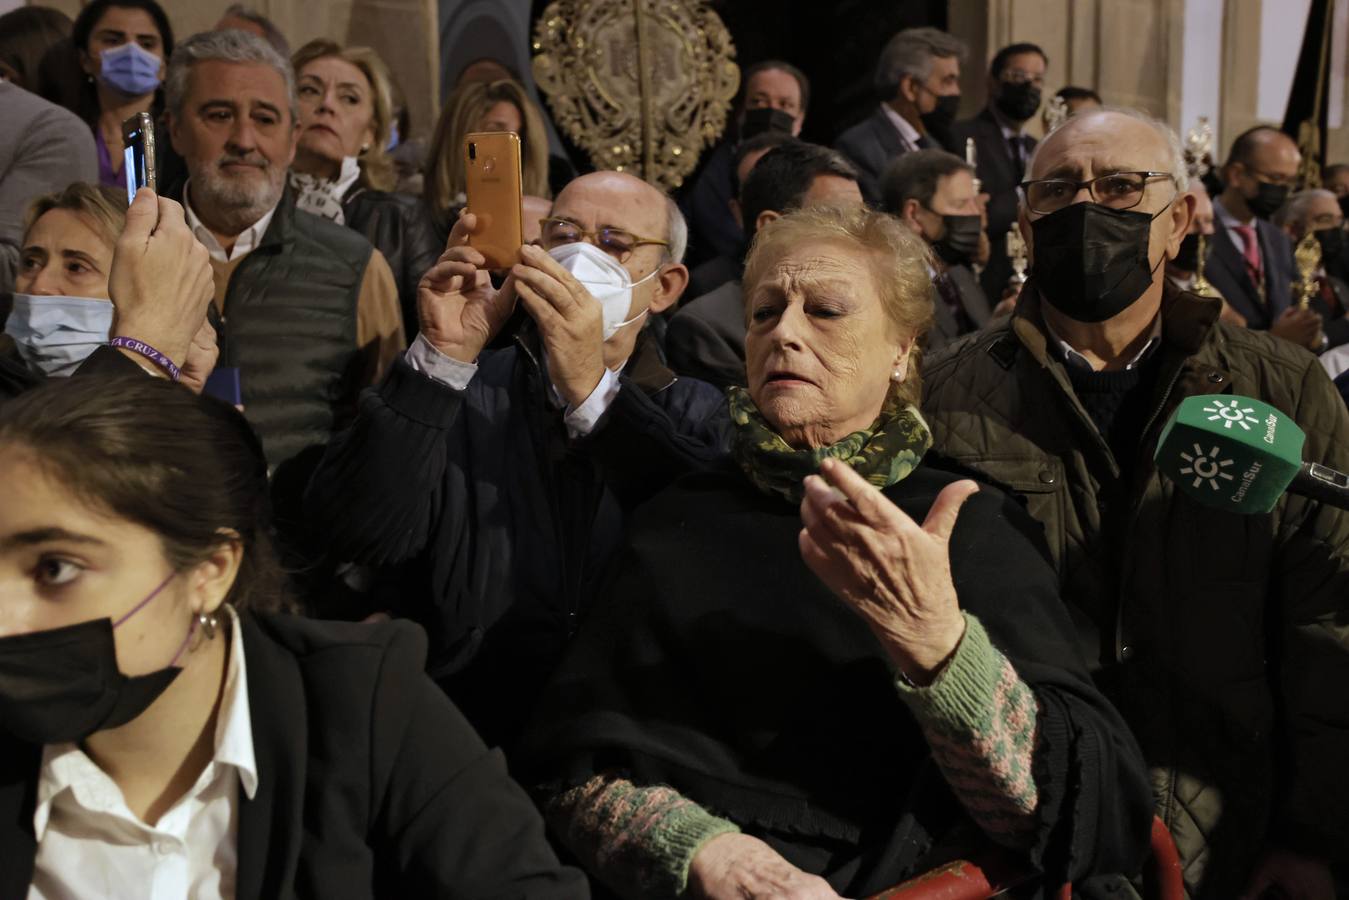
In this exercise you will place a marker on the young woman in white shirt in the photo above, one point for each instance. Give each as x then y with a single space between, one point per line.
168 732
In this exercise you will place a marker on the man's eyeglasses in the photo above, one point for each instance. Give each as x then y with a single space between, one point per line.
614 241
1119 190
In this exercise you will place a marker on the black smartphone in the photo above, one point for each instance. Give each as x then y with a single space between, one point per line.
138 154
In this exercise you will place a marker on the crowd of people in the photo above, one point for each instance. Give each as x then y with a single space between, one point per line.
779 538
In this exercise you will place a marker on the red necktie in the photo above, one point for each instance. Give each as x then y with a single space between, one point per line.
1252 253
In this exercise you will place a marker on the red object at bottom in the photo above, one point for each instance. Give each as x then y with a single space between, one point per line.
966 880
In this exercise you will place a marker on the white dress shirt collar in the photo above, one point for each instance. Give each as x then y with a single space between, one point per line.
907 132
244 244
65 767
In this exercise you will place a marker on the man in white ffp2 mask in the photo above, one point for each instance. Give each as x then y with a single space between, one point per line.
507 474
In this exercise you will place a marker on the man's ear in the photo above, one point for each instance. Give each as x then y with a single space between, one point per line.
908 214
908 89
670 285
768 215
1182 214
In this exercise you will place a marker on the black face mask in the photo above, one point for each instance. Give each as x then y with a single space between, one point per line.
765 118
1332 243
1187 258
1268 198
1091 261
960 241
1018 102
63 684
941 118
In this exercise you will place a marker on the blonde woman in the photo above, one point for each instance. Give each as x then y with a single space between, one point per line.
486 106
342 170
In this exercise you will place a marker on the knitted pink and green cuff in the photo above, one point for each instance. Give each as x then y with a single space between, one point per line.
979 718
639 840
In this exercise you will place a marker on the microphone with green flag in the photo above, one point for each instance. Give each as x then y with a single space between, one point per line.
1241 455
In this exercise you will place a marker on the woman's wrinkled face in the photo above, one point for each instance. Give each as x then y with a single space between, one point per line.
820 351
64 255
337 111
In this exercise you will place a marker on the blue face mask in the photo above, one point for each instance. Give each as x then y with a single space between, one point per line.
131 69
56 334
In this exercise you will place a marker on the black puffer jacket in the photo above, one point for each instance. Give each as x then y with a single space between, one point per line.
503 526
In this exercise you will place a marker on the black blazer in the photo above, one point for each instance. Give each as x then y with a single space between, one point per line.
16 376
946 327
706 338
370 782
1225 267
870 145
999 178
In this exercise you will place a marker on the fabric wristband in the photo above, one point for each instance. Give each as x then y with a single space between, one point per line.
149 353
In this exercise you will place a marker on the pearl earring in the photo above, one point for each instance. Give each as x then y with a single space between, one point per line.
897 375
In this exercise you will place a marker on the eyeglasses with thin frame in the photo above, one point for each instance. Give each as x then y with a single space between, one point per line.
1118 190
614 241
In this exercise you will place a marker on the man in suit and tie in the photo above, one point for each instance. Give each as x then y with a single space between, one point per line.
1016 79
932 192
918 84
1250 260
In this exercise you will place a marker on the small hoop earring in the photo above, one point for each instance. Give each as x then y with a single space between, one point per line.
208 624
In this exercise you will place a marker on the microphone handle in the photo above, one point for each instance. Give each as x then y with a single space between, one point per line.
1321 483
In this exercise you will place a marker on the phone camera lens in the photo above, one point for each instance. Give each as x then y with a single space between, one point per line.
472 150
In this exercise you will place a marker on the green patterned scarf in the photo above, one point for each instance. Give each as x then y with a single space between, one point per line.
883 454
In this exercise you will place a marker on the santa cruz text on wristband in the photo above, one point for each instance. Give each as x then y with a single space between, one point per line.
148 352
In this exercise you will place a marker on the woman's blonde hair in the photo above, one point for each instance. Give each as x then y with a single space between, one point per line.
467 105
103 207
377 168
898 260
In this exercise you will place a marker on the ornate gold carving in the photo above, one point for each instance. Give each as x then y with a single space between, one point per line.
1056 113
643 86
1199 148
1016 252
1308 256
1201 285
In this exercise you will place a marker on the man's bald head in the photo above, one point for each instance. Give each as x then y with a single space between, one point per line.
1263 142
620 200
1125 139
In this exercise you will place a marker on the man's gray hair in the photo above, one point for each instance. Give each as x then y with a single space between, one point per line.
676 230
230 45
910 53
1294 211
1175 165
270 32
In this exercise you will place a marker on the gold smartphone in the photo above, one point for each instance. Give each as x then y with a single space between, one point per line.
492 165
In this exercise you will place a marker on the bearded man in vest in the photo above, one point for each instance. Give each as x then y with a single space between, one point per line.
1222 638
306 311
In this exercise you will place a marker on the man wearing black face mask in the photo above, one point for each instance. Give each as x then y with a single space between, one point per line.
1318 211
1199 624
1250 261
932 192
775 98
917 81
1016 79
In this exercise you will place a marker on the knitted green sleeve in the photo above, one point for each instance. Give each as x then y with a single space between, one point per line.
979 718
638 840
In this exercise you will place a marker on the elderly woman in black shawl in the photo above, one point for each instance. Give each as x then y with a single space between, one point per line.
833 663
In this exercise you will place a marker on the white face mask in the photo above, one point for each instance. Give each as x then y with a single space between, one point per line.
56 334
605 279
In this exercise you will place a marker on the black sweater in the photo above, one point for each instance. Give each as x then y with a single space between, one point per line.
717 663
